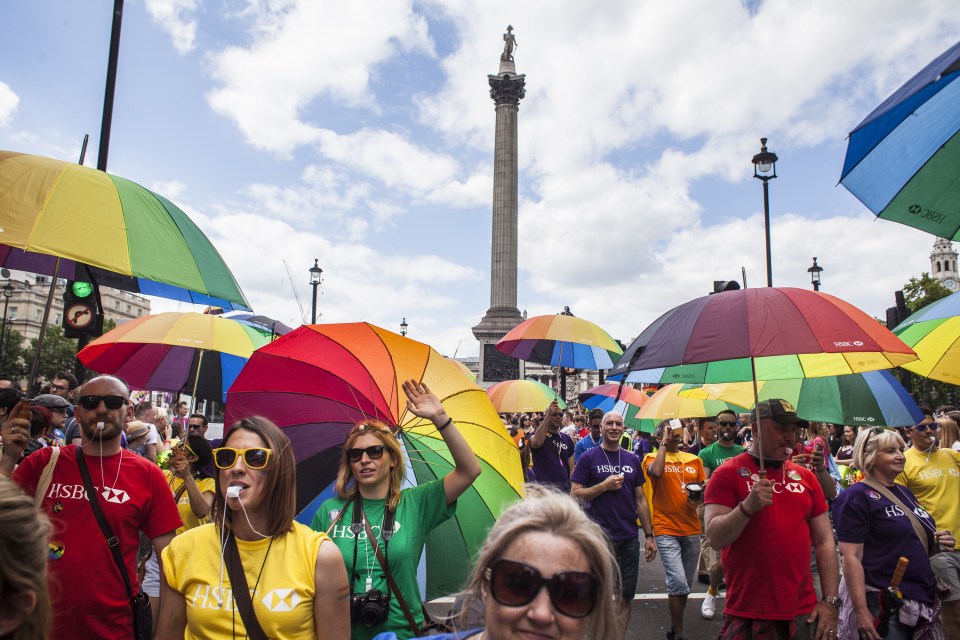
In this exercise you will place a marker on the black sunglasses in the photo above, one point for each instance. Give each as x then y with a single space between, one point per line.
92 402
923 427
514 584
724 423
374 453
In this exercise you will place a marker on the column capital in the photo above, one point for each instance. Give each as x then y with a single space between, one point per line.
507 89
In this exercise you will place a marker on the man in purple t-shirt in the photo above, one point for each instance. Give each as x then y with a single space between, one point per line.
552 451
609 481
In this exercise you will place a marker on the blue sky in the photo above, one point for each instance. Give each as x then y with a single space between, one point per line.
361 134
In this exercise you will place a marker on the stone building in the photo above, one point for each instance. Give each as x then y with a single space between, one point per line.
943 264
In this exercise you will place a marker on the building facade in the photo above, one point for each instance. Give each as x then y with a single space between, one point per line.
943 264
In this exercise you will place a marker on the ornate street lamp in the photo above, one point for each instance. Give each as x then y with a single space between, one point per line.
765 169
315 273
815 274
403 327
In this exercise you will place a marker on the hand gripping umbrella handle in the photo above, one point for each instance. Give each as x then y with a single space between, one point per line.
898 574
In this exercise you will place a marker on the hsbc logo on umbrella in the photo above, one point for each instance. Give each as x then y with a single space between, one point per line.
851 343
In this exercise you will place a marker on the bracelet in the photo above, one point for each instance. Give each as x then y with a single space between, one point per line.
445 424
648 535
745 512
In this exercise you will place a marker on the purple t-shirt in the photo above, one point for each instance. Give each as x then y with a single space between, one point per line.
861 515
550 460
614 511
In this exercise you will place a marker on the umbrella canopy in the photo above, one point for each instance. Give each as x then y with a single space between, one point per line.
666 404
133 238
264 324
561 341
776 333
464 369
902 159
934 333
318 381
604 397
163 352
874 398
522 396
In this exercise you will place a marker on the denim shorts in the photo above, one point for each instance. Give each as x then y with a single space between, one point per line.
627 554
679 555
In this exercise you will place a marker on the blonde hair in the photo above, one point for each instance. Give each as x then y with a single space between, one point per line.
949 432
869 442
23 560
346 486
547 510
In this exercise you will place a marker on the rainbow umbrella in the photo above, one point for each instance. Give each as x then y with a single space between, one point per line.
106 228
667 403
196 353
463 368
605 397
934 333
561 341
318 381
860 399
522 396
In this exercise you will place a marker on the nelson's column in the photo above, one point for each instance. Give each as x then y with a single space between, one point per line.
506 89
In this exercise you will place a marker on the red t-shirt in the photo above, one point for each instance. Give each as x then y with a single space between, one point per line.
87 592
776 541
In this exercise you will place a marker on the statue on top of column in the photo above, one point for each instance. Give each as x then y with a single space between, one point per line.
509 44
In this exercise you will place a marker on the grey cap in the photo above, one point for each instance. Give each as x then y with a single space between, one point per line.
52 401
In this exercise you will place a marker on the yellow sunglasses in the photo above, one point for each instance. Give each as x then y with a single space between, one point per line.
255 458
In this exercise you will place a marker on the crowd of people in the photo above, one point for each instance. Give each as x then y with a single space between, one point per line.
799 529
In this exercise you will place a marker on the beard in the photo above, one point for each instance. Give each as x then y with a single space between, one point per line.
109 432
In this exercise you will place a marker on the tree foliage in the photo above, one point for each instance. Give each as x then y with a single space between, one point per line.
919 292
58 353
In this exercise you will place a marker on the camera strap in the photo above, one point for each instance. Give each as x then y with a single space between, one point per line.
386 570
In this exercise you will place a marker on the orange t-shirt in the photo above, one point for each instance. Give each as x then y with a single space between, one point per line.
673 513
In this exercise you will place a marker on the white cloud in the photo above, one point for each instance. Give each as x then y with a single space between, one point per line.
8 104
176 18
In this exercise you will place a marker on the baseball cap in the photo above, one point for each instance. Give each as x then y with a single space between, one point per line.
52 402
778 410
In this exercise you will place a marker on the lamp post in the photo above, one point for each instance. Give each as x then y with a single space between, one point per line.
403 327
7 293
815 274
315 273
765 169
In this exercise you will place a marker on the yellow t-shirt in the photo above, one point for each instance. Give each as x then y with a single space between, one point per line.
673 514
190 520
280 572
936 484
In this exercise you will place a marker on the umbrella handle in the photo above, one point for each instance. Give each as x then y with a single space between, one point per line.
756 408
196 380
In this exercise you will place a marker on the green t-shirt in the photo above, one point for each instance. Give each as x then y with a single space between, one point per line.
714 455
421 509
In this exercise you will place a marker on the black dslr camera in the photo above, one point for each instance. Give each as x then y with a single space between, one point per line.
370 608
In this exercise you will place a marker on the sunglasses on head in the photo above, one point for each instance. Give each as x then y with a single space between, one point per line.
725 423
92 402
374 453
514 584
255 458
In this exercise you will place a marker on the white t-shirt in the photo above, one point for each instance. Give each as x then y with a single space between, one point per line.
153 437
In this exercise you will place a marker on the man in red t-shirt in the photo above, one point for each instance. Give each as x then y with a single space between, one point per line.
765 525
88 596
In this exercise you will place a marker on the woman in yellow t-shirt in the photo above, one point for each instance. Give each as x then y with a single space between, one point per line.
296 583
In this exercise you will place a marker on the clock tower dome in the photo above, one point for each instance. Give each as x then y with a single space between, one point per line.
943 264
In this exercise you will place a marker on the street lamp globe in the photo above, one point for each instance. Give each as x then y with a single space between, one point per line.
815 274
315 272
765 170
403 327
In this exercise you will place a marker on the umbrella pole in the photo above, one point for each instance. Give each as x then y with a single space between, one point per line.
196 379
756 404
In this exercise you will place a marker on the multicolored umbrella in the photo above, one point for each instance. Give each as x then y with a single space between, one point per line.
604 397
196 353
871 399
561 341
264 324
318 381
522 396
667 404
902 159
934 333
132 238
764 334
464 369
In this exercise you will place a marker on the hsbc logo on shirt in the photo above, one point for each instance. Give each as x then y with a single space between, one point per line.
59 491
281 599
116 496
779 487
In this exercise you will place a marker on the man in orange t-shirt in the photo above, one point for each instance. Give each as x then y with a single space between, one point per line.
676 526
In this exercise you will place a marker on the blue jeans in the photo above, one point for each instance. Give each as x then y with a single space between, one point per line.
679 555
627 553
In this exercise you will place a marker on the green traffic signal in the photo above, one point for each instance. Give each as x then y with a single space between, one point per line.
82 289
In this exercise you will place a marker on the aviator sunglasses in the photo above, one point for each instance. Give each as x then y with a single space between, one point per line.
92 402
374 453
514 584
255 458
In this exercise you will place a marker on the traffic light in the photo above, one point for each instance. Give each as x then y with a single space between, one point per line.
80 317
720 286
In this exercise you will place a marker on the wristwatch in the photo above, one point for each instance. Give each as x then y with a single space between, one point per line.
833 601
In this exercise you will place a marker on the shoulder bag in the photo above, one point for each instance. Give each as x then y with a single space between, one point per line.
140 603
46 476
241 591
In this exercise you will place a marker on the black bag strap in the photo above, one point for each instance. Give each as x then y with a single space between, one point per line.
241 592
393 585
94 499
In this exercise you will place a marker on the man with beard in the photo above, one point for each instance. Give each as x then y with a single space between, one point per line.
713 456
131 493
552 451
609 482
933 475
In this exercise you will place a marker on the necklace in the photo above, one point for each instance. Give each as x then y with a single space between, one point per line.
610 462
103 482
